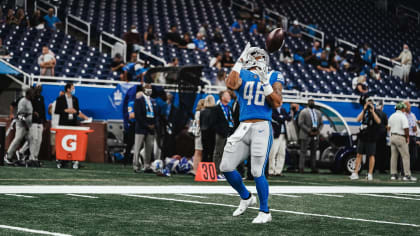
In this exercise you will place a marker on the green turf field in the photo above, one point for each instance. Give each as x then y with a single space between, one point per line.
199 214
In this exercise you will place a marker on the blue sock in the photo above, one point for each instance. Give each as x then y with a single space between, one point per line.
235 180
262 189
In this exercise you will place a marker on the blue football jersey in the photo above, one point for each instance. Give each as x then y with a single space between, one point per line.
252 103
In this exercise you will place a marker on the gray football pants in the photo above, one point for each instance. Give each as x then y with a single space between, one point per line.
256 141
20 134
140 141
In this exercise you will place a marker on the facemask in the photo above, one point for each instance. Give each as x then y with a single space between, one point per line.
148 92
328 49
73 92
405 50
134 31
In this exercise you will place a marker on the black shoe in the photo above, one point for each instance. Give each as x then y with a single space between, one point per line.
148 170
315 171
301 171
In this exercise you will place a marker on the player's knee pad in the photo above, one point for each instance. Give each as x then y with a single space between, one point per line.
256 172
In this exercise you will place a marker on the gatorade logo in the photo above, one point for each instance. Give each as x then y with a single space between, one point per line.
69 142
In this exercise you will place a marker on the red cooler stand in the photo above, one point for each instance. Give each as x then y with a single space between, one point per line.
71 142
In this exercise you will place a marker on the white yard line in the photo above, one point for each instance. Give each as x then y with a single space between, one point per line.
328 195
388 196
193 189
19 195
189 195
78 195
32 230
285 195
405 194
275 210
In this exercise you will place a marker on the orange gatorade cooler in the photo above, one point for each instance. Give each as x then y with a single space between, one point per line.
71 142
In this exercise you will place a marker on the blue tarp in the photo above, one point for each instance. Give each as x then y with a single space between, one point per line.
5 69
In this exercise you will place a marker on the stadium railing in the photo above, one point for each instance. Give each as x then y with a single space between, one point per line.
409 12
43 6
349 45
150 56
106 38
81 23
275 16
388 64
244 4
320 37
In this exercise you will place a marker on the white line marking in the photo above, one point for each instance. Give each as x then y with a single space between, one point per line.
193 189
19 195
387 196
284 195
409 195
78 195
32 230
275 210
328 195
189 195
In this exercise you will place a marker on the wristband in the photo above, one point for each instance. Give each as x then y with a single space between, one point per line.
268 89
237 67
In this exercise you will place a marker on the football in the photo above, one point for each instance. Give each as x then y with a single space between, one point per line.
274 40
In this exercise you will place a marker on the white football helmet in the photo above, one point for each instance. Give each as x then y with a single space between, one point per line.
251 60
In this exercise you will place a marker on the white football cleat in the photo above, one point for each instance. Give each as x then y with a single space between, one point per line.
262 218
244 204
354 176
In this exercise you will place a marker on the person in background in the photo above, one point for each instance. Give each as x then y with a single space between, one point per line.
174 62
220 80
412 123
199 42
51 20
37 127
286 56
21 19
406 59
278 149
292 132
203 30
10 18
145 113
237 26
207 133
4 53
133 40
295 30
186 42
382 154
227 60
129 120
375 72
130 68
117 65
23 124
67 106
262 27
36 20
367 54
47 62
314 53
217 36
222 124
198 145
173 37
310 126
253 30
400 137
360 85
54 122
216 61
324 64
150 35
366 144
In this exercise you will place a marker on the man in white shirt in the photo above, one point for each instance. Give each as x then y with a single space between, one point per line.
406 59
398 126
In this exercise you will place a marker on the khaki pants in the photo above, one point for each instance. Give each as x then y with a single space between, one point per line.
399 146
141 141
277 155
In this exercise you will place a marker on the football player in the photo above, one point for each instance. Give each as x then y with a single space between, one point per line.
258 93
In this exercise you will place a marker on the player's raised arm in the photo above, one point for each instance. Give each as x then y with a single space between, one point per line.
275 98
233 81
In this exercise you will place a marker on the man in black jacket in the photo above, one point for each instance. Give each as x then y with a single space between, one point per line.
67 106
222 123
145 113
278 149
382 153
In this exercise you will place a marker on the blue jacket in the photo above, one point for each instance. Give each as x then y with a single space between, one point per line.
129 96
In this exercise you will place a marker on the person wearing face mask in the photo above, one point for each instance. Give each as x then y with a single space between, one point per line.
67 106
406 59
145 113
310 125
